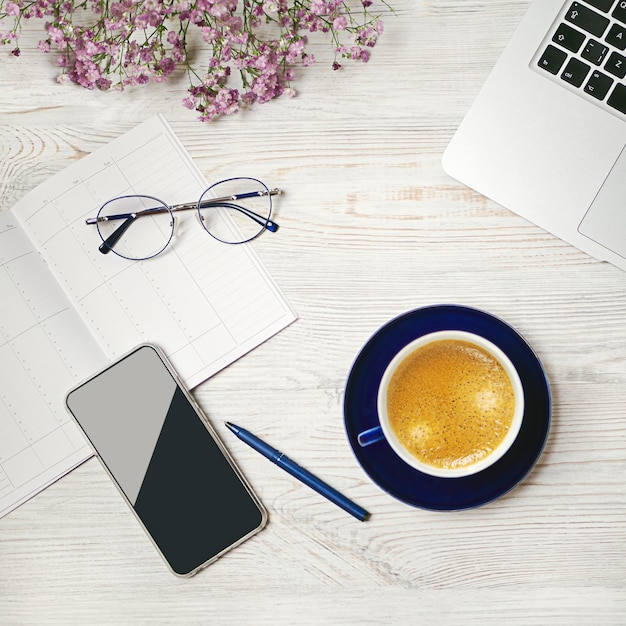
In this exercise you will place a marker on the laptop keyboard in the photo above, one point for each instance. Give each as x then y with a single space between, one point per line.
586 52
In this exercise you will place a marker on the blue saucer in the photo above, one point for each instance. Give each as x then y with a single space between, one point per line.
402 481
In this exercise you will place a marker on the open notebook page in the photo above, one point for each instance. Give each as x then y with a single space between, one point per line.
204 302
44 350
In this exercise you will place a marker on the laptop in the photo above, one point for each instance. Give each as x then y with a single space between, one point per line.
546 135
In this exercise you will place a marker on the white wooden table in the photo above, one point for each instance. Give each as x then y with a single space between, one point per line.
370 227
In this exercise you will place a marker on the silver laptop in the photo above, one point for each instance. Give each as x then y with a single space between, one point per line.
546 136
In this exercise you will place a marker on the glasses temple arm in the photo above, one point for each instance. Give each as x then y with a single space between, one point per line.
125 216
243 196
107 245
259 219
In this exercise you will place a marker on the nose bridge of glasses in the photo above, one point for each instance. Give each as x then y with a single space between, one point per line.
186 206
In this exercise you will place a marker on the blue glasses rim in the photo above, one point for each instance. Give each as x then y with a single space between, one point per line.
267 219
162 204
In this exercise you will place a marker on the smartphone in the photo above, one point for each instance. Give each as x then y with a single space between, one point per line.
168 463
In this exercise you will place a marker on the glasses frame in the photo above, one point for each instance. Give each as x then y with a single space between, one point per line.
227 202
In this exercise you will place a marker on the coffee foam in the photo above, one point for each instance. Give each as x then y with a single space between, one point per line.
450 403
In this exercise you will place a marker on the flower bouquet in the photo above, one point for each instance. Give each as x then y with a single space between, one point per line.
103 44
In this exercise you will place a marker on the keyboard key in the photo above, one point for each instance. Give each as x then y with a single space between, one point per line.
617 36
569 37
575 72
618 98
616 65
552 59
603 5
587 19
598 85
594 52
620 11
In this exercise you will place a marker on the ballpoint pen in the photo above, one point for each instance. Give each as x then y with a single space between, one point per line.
298 472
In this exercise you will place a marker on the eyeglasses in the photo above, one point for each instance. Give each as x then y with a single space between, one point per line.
220 211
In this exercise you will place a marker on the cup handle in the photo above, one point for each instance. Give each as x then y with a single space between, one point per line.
370 436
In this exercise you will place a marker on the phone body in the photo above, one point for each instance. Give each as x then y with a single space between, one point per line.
168 463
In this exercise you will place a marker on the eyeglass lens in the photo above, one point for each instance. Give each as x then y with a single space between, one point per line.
131 237
242 212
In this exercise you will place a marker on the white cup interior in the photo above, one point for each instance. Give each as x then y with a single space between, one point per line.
509 438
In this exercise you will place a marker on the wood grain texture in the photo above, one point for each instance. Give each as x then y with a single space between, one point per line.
371 226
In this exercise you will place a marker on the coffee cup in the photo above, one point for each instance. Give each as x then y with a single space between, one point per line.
450 404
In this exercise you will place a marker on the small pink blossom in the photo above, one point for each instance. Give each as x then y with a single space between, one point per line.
12 9
340 23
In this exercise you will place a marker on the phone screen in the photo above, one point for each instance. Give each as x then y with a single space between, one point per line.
177 477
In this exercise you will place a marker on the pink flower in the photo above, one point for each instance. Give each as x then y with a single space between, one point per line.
340 23
318 7
296 50
56 37
11 9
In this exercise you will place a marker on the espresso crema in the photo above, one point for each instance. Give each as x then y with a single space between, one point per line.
450 403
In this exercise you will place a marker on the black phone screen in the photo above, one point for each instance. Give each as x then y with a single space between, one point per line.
176 476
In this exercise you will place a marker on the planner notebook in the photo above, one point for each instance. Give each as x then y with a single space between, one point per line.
67 309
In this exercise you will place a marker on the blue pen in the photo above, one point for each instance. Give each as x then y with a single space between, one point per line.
299 472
